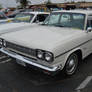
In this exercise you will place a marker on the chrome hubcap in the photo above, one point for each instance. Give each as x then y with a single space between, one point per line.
71 65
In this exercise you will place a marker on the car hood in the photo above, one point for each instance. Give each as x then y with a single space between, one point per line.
12 27
42 37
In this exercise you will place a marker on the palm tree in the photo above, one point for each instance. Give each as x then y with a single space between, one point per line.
23 3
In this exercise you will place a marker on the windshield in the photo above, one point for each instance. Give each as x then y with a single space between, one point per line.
73 20
23 17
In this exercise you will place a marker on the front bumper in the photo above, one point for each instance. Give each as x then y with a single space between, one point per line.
29 61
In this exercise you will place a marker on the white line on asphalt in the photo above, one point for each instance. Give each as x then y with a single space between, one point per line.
3 57
5 61
84 83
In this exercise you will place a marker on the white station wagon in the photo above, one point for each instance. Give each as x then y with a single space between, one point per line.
60 43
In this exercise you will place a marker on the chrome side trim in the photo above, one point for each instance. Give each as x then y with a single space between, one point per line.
29 61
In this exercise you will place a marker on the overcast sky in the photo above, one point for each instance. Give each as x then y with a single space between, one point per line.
12 3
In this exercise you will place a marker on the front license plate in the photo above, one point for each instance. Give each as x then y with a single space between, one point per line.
21 62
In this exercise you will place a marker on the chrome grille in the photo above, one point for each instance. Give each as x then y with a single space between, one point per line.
21 49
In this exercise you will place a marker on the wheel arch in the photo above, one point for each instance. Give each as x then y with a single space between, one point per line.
78 51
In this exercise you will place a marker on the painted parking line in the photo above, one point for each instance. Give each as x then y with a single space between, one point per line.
5 61
84 83
2 57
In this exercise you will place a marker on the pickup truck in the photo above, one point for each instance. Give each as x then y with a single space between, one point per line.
60 43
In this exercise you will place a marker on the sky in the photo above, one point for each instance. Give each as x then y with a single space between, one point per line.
12 3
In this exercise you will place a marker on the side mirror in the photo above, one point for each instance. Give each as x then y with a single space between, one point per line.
89 29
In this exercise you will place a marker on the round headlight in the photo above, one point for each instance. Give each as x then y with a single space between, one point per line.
4 43
40 54
1 42
48 57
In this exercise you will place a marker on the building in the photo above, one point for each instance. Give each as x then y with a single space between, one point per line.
67 6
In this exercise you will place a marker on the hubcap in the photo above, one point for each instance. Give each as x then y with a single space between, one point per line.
71 64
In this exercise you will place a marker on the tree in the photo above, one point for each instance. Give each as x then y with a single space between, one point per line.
23 3
0 6
48 2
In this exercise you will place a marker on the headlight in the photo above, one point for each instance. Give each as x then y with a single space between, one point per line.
1 42
40 54
45 55
4 43
49 57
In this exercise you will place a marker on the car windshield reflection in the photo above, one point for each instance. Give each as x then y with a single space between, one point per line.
73 20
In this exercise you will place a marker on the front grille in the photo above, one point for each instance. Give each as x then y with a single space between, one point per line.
21 49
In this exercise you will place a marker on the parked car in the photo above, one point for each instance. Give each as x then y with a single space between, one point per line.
31 17
12 14
23 21
3 18
60 43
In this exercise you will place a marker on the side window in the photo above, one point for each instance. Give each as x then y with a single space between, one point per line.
89 23
46 15
41 17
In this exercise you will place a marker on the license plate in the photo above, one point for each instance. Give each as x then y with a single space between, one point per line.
20 63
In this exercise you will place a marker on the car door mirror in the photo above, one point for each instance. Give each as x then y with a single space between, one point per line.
89 29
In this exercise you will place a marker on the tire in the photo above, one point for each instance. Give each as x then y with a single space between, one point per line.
71 64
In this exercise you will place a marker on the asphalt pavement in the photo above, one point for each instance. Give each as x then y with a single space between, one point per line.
16 78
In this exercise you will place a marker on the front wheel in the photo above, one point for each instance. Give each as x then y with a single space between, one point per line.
71 64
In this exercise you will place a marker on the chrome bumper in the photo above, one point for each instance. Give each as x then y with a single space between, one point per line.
29 61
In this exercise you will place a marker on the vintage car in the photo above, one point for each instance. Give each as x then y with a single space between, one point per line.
31 17
23 21
60 43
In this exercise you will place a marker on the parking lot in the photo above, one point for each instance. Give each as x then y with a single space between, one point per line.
15 78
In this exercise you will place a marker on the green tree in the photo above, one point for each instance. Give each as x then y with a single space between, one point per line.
0 6
23 3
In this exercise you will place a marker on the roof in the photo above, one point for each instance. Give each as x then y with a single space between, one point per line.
87 12
35 12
